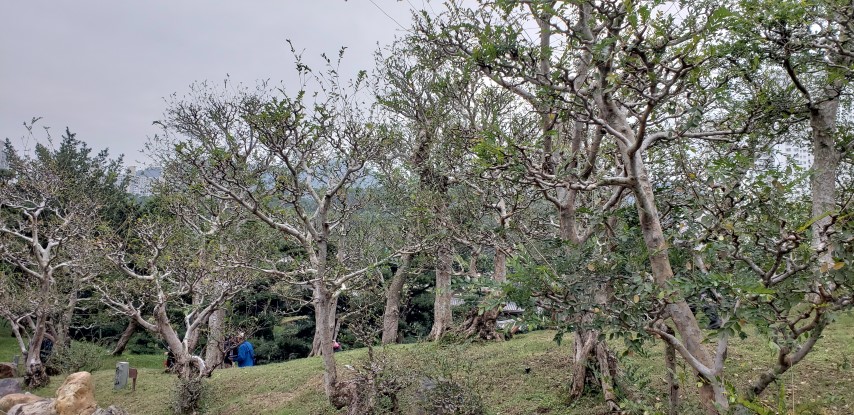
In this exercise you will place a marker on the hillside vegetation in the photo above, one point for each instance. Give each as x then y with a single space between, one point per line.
495 372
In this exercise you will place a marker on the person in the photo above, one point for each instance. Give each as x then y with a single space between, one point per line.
230 352
336 347
169 364
245 352
709 307
46 349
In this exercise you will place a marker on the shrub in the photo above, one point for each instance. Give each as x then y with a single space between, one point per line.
189 395
447 397
80 356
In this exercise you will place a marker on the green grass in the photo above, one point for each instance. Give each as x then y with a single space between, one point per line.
8 344
820 385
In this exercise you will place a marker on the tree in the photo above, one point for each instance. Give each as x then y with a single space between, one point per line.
799 61
428 96
561 159
183 257
51 207
298 163
400 224
618 79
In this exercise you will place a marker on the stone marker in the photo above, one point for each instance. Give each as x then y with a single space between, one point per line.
122 371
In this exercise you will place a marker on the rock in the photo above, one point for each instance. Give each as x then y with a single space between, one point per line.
42 407
76 396
112 410
10 386
8 401
8 370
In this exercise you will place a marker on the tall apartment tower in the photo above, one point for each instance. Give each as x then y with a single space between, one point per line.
797 154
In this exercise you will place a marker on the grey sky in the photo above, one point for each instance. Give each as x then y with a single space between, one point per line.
102 67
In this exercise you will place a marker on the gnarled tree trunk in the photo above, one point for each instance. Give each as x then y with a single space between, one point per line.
324 317
711 392
483 324
62 326
672 378
216 340
826 159
442 315
125 338
35 376
591 357
391 316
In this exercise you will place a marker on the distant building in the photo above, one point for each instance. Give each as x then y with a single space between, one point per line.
798 155
786 155
4 164
141 181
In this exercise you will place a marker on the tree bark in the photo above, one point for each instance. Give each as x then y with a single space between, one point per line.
826 159
608 374
214 349
499 273
442 314
481 325
125 338
566 214
192 339
18 331
583 343
35 376
484 325
680 312
656 246
786 359
324 317
672 379
62 327
391 316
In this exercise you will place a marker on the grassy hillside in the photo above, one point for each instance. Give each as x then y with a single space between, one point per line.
8 345
496 372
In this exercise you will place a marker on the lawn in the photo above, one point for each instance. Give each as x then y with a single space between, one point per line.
8 345
496 371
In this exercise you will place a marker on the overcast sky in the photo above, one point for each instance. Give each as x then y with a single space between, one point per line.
103 67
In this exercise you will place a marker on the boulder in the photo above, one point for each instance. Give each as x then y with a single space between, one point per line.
112 410
8 370
43 407
10 386
76 396
8 401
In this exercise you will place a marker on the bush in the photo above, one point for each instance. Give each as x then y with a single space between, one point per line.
189 395
449 385
447 397
80 356
144 343
291 340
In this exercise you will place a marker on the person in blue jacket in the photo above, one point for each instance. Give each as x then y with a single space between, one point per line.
245 352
